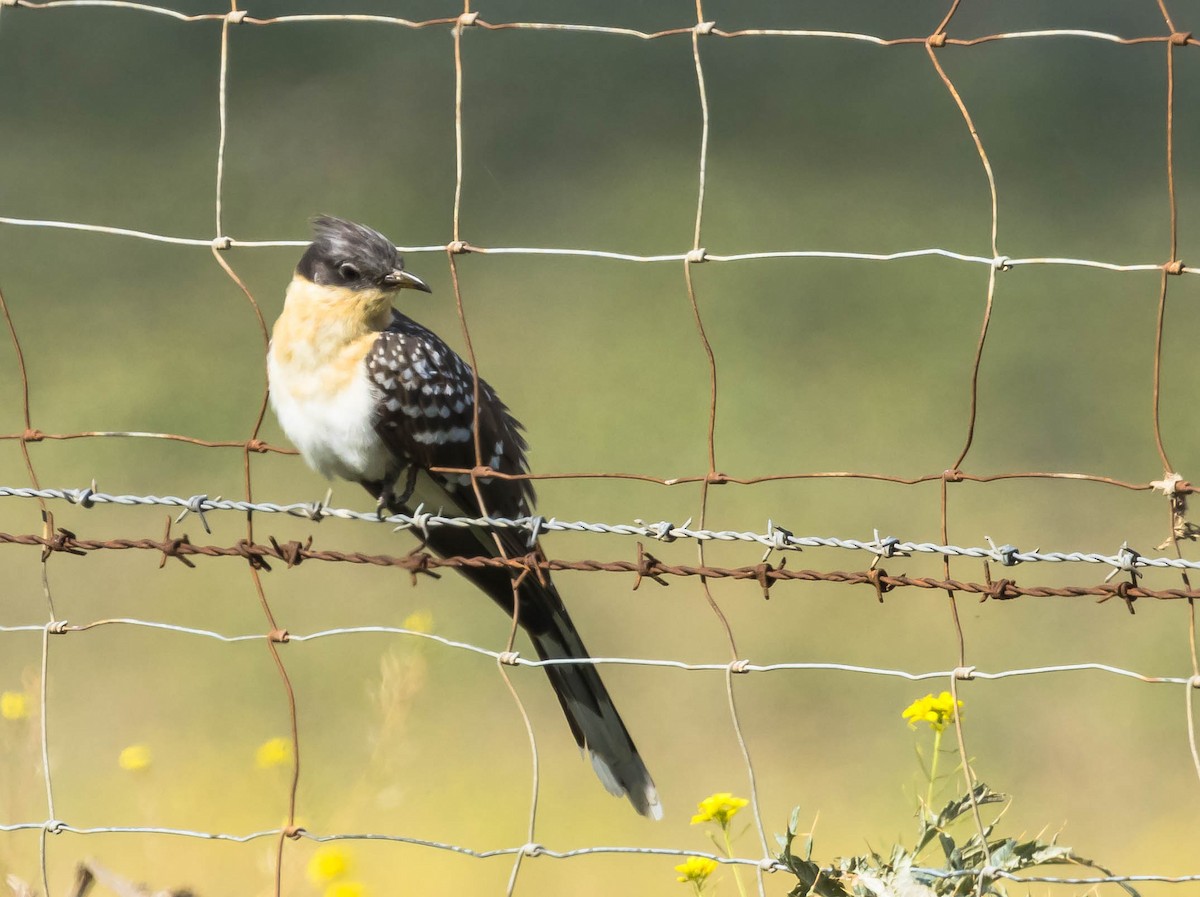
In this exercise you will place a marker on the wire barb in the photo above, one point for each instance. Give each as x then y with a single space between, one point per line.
195 505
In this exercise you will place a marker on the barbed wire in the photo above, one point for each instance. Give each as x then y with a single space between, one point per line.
775 537
257 553
646 566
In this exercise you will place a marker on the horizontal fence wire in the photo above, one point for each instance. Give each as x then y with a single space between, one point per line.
538 850
1126 562
514 658
1003 263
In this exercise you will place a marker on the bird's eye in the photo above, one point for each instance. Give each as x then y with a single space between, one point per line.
348 271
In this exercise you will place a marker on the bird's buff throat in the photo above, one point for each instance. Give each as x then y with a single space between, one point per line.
328 330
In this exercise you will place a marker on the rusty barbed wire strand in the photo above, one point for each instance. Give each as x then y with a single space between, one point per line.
292 553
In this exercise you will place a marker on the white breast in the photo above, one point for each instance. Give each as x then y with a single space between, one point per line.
332 429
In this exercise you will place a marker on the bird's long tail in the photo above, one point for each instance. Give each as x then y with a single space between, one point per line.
593 718
589 709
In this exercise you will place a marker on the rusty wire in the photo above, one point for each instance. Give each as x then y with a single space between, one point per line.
645 566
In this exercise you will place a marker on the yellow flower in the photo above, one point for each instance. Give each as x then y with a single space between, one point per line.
328 863
274 752
346 889
939 712
418 621
696 870
14 705
719 808
134 758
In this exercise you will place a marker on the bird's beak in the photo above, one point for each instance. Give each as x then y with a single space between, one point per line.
402 280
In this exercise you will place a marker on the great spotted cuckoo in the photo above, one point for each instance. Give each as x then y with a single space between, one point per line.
369 395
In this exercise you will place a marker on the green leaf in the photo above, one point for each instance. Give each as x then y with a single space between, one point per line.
1005 856
863 876
808 874
812 881
948 845
957 807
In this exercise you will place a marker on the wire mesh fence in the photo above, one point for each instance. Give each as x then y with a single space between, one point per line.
1121 567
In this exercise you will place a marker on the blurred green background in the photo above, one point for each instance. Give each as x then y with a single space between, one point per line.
109 116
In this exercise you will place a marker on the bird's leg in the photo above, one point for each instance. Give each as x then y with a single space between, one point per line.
389 500
410 485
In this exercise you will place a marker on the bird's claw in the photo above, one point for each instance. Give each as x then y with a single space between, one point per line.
389 501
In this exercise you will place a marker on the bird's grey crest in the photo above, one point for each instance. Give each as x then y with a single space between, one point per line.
338 243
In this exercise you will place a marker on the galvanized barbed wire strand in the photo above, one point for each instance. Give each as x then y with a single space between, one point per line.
774 537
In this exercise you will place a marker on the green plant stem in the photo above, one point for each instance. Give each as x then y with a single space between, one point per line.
933 764
737 879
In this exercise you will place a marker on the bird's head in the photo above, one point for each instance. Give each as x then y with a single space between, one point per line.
353 257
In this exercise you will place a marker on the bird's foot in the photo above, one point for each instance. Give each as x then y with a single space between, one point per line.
389 501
